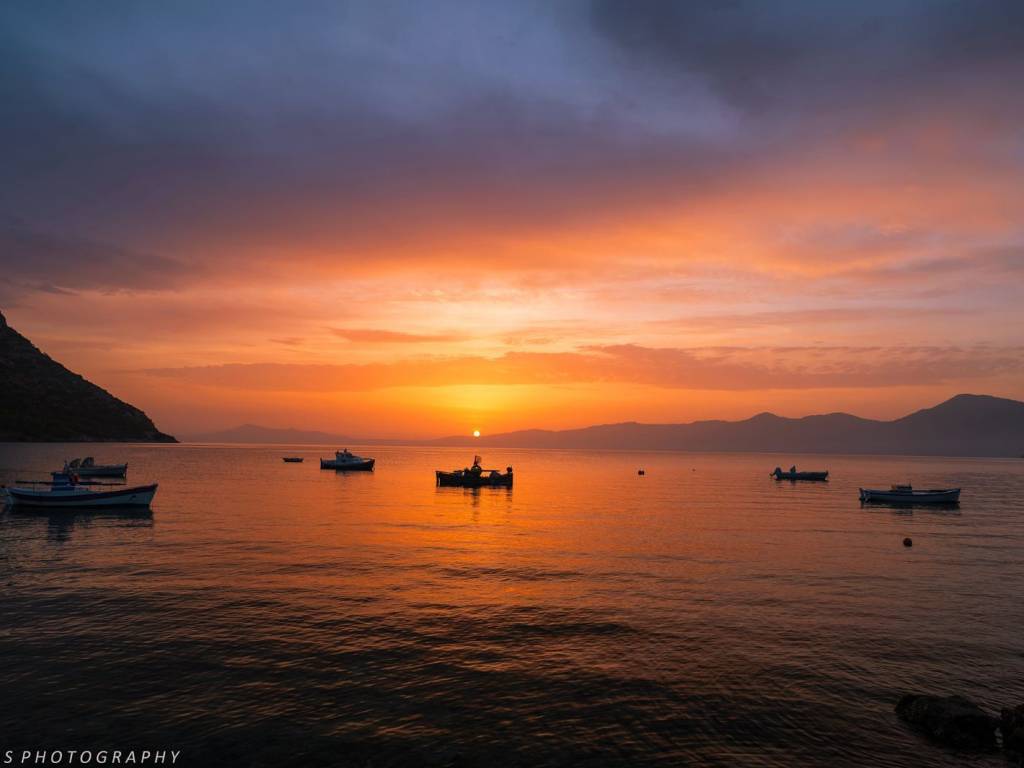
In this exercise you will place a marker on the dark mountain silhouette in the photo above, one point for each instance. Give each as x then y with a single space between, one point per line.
253 433
41 400
966 425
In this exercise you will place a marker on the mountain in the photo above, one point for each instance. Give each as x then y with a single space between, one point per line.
42 401
965 425
253 433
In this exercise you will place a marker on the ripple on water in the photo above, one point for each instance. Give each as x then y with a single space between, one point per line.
707 618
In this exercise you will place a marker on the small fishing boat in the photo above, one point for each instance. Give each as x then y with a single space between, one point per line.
66 492
292 459
475 477
793 474
87 467
348 462
905 494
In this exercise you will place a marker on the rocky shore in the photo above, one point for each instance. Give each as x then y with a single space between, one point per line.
960 723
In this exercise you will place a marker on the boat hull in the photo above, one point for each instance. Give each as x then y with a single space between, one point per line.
800 475
939 496
112 470
460 480
140 496
292 460
347 466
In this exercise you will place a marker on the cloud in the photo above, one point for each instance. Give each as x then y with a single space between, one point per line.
807 56
650 178
58 263
808 320
372 336
564 139
731 369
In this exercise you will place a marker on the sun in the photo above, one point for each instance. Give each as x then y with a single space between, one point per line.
476 433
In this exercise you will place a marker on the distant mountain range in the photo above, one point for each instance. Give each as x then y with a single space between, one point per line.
965 425
42 401
252 433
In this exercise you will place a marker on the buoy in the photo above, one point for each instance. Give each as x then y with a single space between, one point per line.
640 472
908 542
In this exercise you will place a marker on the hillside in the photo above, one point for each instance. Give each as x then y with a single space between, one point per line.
42 401
965 425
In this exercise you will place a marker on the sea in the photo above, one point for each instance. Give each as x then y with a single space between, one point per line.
703 614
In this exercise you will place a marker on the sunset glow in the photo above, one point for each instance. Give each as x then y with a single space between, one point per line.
381 232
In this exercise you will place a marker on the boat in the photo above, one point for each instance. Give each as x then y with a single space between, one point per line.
66 492
346 461
475 477
793 474
905 494
292 459
87 467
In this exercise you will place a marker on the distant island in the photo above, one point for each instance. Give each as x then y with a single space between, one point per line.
42 401
965 425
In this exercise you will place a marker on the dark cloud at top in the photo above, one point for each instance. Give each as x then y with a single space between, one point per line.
54 263
162 126
766 56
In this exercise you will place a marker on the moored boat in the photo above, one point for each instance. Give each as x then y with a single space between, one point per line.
292 459
475 477
346 461
793 474
65 491
905 494
87 467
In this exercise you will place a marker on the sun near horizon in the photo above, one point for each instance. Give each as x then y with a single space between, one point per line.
622 234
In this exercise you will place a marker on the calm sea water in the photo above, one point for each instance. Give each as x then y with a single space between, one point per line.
272 614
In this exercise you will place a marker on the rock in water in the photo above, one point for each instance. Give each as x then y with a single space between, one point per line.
952 720
1012 726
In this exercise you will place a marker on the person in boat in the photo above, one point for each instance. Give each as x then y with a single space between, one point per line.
793 468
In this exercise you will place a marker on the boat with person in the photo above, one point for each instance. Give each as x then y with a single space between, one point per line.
88 467
346 461
65 491
475 477
793 474
906 494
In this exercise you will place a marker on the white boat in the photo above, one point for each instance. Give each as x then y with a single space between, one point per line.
87 467
347 461
905 494
65 492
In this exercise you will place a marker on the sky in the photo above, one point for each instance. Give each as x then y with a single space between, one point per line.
410 219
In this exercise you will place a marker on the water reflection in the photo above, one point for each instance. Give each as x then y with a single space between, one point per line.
281 615
952 509
60 524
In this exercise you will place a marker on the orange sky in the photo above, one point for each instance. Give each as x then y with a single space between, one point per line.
386 227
